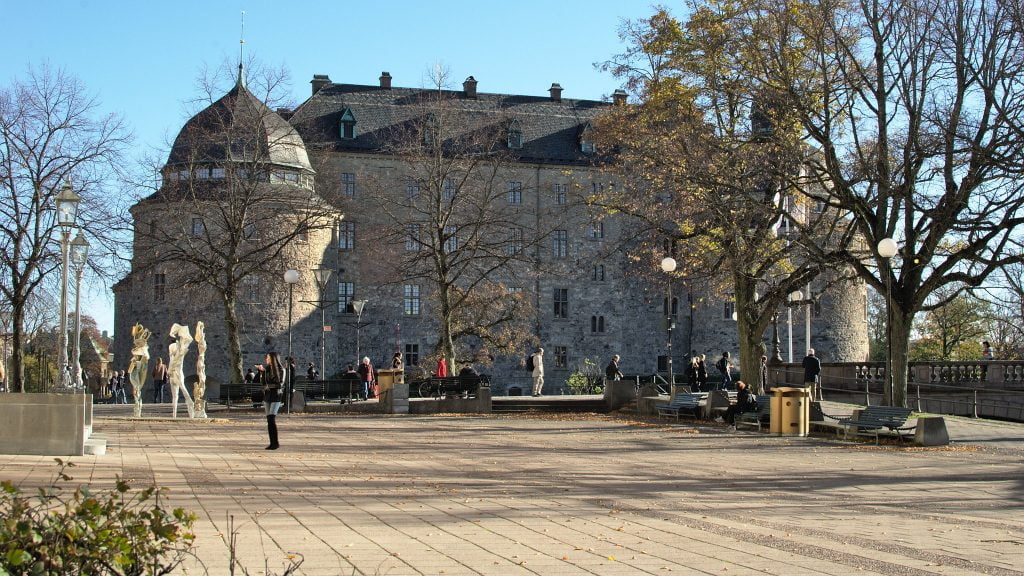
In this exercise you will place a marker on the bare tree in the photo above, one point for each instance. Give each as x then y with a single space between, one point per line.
52 133
450 223
235 194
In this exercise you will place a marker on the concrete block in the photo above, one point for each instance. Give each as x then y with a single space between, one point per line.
931 431
45 424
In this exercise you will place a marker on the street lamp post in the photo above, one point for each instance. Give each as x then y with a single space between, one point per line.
291 277
668 265
79 256
886 250
794 298
322 276
67 211
357 307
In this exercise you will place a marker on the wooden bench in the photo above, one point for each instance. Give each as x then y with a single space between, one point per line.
683 404
875 418
759 417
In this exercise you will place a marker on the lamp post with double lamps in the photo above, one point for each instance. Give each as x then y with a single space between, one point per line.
322 276
79 256
886 250
67 212
668 265
291 277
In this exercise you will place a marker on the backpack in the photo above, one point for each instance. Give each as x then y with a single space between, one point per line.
721 365
529 362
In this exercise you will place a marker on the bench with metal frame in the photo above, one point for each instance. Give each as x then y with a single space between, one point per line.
758 417
682 404
435 387
873 419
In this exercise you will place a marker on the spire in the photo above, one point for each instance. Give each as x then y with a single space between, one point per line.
241 47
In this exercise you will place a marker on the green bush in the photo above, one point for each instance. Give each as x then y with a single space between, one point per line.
118 532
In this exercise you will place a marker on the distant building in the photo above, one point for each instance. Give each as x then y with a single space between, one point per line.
590 301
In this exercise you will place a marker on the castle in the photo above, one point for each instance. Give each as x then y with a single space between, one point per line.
340 150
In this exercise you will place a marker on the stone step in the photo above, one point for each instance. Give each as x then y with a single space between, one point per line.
547 404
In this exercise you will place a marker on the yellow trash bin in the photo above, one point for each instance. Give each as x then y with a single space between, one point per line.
790 411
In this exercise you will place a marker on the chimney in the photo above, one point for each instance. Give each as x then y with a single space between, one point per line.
319 81
556 92
619 97
469 87
385 80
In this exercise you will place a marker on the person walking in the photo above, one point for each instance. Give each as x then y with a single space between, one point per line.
442 368
724 366
366 376
812 368
691 374
612 372
702 374
538 371
159 380
273 377
986 351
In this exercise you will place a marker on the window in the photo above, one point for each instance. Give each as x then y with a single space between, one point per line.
561 297
675 307
561 357
598 274
250 231
596 231
198 227
515 192
302 233
587 140
348 184
251 288
412 241
159 282
346 293
515 136
728 310
346 235
202 173
412 355
597 324
448 191
561 193
597 187
412 190
347 125
515 241
514 290
217 173
412 300
282 176
451 238
560 244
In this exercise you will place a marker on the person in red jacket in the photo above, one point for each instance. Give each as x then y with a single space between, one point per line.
442 368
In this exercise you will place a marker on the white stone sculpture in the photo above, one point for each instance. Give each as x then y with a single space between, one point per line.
177 351
138 368
199 389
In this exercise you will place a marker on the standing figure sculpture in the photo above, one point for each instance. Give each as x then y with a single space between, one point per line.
139 365
177 351
199 388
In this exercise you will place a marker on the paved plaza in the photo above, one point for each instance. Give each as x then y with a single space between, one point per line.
568 494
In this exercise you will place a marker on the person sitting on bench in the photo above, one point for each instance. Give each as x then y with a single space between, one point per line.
745 402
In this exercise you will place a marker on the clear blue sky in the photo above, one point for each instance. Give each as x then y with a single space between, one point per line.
142 58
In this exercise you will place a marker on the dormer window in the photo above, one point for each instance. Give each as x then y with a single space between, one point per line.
587 140
347 125
515 135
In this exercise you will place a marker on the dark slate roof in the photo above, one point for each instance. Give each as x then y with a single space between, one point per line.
255 132
551 130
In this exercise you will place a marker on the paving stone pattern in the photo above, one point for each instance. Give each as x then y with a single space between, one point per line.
509 495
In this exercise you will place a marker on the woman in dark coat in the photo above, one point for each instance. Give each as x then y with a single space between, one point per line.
273 376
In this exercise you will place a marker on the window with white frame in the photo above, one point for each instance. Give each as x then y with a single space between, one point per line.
451 238
217 173
561 193
514 290
198 227
348 184
515 192
560 244
412 239
346 235
598 273
346 293
412 190
596 231
515 241
411 300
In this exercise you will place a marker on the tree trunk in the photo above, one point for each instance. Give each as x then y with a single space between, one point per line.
17 374
234 344
899 346
445 344
749 329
